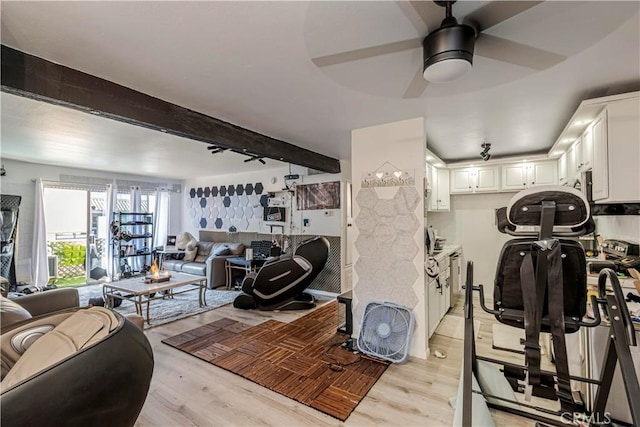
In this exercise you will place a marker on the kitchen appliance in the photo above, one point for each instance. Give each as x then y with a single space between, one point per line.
623 254
590 245
455 264
430 240
439 245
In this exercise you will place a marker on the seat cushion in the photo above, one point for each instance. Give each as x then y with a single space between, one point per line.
173 264
197 268
204 250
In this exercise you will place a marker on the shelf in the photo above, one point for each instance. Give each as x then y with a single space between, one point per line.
133 213
130 256
124 225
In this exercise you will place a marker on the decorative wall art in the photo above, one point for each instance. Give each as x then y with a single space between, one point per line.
223 206
388 175
323 195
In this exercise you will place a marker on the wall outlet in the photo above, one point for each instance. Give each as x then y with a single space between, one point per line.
328 213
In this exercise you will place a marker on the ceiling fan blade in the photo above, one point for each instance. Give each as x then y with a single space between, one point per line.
516 53
496 12
417 86
367 52
424 15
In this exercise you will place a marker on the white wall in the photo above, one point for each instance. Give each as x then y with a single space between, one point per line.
471 223
18 181
622 227
385 267
320 222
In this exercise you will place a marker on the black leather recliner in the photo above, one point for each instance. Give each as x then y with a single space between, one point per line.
280 282
72 366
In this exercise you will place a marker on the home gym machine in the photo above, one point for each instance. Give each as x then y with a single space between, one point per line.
541 286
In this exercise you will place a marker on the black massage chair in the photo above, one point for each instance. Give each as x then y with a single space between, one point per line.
280 282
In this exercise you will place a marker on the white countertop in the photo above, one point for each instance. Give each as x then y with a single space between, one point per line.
446 251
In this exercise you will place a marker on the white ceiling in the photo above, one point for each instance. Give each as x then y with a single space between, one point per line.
249 63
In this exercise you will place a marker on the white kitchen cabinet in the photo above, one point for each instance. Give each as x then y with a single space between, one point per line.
487 179
439 198
434 306
514 177
525 175
587 149
572 169
474 180
461 180
445 292
600 170
562 169
579 162
542 173
616 150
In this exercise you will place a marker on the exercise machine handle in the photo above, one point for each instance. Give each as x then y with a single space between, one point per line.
608 273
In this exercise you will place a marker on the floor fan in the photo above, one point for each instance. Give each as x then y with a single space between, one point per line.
385 331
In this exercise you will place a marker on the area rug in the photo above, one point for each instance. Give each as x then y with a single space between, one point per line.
288 358
163 311
453 327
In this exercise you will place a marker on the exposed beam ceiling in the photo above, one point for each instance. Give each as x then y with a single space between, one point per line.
36 78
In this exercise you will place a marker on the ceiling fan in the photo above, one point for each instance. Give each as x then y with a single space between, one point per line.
449 49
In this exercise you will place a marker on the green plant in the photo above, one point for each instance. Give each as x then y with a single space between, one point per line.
69 253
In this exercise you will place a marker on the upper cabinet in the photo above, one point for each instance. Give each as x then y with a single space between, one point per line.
587 150
519 176
474 180
605 133
562 169
439 199
600 171
616 150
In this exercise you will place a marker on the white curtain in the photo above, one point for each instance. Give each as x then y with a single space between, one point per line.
136 207
161 218
39 261
110 207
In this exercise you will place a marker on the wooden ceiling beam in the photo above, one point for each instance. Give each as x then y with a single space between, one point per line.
36 78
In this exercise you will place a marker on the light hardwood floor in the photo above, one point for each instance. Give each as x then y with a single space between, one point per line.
186 391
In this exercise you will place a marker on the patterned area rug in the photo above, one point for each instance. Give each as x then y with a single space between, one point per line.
163 311
288 358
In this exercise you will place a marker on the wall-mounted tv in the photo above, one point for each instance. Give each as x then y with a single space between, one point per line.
274 214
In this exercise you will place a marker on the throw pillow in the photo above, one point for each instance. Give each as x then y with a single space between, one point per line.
186 242
190 251
183 240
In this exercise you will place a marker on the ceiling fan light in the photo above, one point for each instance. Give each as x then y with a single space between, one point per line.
447 70
448 53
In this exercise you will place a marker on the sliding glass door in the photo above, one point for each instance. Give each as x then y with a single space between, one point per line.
77 235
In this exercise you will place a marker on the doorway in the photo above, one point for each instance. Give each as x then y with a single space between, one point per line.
77 235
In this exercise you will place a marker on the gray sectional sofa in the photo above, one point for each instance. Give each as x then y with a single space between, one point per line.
209 261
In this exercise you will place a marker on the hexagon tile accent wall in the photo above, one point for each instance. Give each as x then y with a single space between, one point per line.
226 204
386 247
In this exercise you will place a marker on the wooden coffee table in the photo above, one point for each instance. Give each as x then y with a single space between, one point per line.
138 292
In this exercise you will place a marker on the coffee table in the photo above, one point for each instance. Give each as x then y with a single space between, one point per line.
138 292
